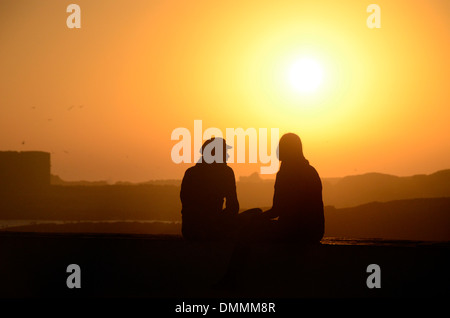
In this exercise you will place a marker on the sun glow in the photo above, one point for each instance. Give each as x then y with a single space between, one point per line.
305 75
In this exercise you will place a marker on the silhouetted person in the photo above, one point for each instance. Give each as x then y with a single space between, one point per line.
204 189
297 203
297 200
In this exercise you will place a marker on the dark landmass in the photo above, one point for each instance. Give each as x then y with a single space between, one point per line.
354 190
108 202
412 218
34 265
131 227
417 219
139 259
56 180
338 192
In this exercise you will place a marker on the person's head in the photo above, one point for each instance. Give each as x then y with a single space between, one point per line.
290 148
215 150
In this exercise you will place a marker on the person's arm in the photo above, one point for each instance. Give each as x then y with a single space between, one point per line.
271 213
231 200
274 212
186 194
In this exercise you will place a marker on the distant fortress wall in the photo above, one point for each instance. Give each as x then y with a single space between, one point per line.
27 171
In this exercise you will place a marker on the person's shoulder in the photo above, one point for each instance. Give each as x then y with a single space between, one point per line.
227 170
222 171
313 172
312 169
191 170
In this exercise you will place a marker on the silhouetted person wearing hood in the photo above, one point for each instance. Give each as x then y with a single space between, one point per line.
297 203
204 189
297 200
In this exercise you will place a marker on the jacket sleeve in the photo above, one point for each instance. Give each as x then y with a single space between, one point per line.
186 190
231 200
278 200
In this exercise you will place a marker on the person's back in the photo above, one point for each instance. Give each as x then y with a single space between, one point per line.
298 198
204 189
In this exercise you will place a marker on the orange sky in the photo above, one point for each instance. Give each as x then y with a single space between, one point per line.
105 98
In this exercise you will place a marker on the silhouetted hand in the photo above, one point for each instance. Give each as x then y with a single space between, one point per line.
254 211
270 214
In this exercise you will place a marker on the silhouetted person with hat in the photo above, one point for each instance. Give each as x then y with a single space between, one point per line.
204 189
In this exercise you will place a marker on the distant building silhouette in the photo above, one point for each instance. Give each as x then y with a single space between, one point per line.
24 171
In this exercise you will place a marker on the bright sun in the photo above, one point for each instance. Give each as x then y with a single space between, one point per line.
305 75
